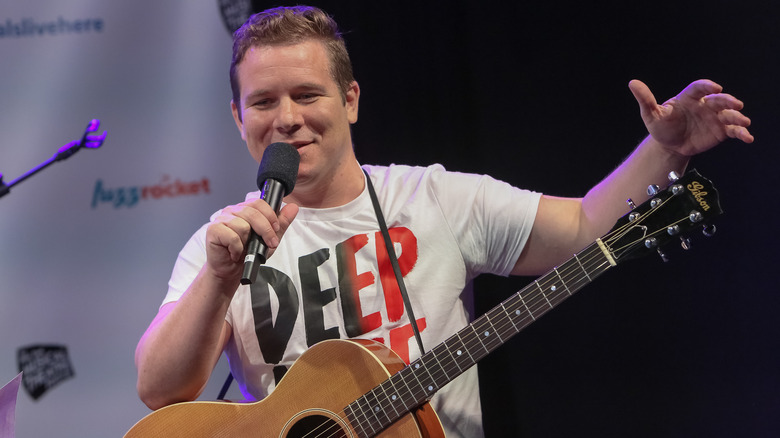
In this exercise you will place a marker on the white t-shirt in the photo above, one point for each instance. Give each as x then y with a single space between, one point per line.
331 277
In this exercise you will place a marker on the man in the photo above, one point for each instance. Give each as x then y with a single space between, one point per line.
327 273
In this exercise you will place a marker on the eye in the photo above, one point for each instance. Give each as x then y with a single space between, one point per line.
262 103
307 97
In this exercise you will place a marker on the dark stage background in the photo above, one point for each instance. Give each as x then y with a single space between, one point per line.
536 94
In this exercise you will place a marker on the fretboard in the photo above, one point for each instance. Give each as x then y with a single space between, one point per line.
417 383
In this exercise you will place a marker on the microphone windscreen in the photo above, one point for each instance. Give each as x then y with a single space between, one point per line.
280 162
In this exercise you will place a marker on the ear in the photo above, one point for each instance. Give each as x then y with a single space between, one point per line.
237 118
352 97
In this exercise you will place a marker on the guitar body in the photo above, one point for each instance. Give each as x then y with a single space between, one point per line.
311 396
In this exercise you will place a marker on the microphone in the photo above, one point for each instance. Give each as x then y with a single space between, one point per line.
276 179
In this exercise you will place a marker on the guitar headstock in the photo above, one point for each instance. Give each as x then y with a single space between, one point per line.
685 204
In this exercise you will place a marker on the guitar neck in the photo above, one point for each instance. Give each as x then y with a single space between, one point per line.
418 382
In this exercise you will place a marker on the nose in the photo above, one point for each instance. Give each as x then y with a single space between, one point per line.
288 118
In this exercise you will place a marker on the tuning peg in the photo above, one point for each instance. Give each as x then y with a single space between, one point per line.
651 242
653 189
709 230
695 217
685 243
673 176
673 230
663 256
631 203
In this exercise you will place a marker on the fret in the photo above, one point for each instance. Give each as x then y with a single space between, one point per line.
486 334
522 312
518 310
528 309
493 327
430 385
360 418
475 341
412 391
357 425
396 396
390 398
363 418
454 357
437 352
517 330
503 323
562 281
426 383
582 267
459 351
373 407
422 379
543 294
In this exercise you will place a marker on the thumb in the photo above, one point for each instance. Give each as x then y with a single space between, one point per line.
286 216
643 96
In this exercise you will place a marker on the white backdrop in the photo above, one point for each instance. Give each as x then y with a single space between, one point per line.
78 267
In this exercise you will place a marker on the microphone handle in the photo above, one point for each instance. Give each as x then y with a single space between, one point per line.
256 249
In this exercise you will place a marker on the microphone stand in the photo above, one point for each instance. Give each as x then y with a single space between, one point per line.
87 141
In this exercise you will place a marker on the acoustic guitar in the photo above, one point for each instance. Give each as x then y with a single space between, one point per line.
361 389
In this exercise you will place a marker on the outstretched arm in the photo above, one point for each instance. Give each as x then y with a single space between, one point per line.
694 121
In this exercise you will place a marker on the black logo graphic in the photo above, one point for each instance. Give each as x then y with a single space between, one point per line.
44 366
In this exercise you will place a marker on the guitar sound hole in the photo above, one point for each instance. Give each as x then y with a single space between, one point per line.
316 426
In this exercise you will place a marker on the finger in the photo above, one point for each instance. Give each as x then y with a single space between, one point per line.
701 88
254 215
263 220
286 216
722 101
739 132
228 235
733 117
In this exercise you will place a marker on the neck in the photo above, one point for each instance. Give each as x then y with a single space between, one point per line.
331 191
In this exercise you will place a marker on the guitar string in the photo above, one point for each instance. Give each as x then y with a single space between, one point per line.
531 300
535 301
534 298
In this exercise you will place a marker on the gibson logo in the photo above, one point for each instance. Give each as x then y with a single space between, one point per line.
696 188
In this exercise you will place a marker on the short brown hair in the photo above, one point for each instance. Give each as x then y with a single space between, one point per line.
292 25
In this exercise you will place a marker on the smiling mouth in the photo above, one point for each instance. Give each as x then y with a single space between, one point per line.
300 144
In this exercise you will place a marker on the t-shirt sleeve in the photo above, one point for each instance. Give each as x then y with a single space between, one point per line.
189 262
490 219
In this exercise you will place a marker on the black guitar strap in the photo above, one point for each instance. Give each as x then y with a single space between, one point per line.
394 261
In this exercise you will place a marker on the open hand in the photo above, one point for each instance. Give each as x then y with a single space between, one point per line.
697 119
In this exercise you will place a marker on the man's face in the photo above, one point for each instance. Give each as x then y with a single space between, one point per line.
288 95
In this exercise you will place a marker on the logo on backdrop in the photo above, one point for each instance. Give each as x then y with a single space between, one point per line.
43 367
130 196
31 27
234 13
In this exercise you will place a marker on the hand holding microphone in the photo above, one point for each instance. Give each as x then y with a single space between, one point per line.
276 179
